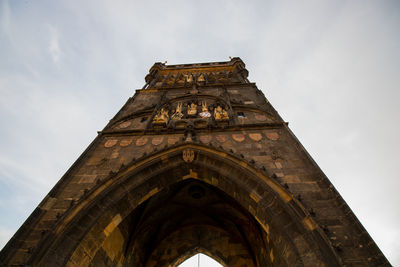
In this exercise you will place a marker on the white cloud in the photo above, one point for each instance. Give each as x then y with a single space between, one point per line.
330 68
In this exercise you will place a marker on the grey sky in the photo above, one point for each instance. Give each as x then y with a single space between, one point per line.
330 68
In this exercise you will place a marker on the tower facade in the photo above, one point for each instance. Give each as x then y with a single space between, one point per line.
196 161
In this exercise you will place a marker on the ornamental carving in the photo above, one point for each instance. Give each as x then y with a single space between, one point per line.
110 143
125 142
172 140
161 117
272 136
221 138
238 137
199 78
204 110
177 115
260 117
124 124
255 136
220 114
141 141
191 110
157 140
188 155
205 139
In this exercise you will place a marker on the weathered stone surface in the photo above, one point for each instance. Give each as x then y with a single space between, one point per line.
222 175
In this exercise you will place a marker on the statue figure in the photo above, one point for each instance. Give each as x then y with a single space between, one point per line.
161 117
204 110
201 78
192 109
189 78
204 106
220 114
178 113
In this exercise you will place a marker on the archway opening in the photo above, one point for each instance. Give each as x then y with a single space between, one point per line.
188 218
211 206
200 260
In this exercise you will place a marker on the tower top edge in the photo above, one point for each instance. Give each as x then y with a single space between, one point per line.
164 66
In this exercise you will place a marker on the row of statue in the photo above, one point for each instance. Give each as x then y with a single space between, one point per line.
210 77
220 114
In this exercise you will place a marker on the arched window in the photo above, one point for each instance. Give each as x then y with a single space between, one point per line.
200 260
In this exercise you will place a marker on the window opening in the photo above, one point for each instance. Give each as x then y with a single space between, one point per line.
200 260
143 119
241 115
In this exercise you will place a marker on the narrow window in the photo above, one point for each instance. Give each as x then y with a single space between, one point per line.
143 119
241 115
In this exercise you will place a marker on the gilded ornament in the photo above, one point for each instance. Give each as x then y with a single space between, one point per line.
189 78
178 113
201 78
192 109
204 110
161 117
220 114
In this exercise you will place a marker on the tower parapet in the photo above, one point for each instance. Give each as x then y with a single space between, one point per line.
200 74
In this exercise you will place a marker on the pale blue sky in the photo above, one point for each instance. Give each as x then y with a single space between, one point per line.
330 68
200 260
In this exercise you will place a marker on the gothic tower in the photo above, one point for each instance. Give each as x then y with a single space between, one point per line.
196 161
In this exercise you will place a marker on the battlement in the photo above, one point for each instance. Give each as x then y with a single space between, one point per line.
199 74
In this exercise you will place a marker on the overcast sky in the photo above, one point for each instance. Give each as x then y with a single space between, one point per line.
330 68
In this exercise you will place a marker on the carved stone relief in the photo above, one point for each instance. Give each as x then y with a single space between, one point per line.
192 111
161 117
220 114
199 78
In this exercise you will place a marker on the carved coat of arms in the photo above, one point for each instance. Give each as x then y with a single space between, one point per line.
188 155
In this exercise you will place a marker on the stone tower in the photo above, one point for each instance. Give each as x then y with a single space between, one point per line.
196 161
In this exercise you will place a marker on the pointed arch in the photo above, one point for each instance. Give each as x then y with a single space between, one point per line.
193 253
291 236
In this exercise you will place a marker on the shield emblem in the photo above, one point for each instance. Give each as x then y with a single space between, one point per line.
272 136
238 137
125 142
141 141
261 117
255 136
124 124
221 138
157 140
205 139
110 143
188 155
173 140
